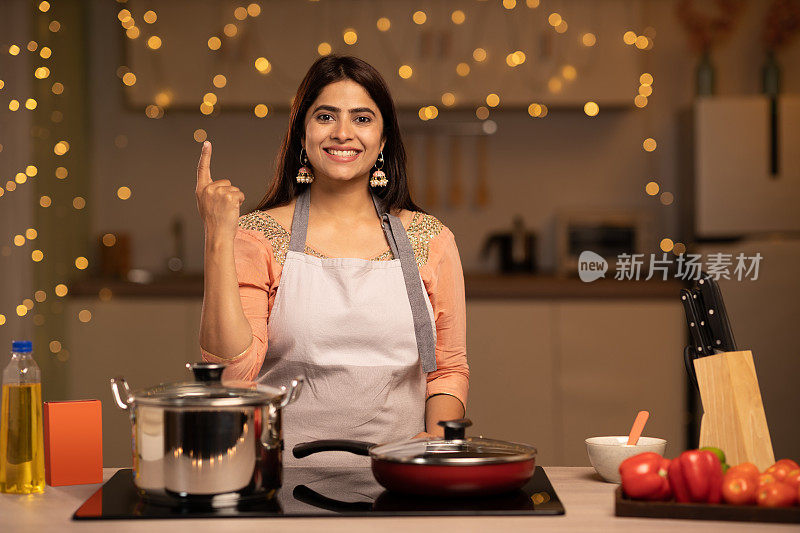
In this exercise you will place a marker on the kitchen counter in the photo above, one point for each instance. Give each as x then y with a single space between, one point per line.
478 286
589 505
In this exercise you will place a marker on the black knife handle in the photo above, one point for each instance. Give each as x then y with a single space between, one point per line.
692 321
714 307
357 447
689 355
703 326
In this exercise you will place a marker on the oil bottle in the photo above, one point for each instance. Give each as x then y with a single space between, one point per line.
21 438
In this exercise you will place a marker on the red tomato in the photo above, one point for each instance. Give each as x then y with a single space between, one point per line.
793 478
788 462
779 470
739 489
776 495
744 469
765 479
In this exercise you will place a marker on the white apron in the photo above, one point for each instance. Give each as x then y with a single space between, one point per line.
358 331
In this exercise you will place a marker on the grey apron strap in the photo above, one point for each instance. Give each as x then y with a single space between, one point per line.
297 240
402 249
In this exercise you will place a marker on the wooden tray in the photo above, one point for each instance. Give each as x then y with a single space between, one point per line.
624 506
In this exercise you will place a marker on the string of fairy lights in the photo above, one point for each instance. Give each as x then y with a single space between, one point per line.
145 31
567 73
43 73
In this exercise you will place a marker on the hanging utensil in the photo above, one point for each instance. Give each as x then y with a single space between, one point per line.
456 189
431 179
482 187
411 159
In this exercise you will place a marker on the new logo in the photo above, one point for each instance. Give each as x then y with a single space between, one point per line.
591 266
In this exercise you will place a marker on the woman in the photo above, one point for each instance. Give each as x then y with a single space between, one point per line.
379 332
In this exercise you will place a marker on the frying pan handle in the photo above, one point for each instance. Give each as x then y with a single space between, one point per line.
304 449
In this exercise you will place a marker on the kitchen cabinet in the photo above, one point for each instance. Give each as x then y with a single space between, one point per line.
554 372
546 371
510 349
146 340
615 359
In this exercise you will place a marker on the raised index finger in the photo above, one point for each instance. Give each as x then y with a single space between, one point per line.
204 166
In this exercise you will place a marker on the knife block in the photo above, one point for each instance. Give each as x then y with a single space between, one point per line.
733 413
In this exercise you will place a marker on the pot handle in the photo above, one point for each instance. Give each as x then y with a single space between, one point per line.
304 449
294 391
121 391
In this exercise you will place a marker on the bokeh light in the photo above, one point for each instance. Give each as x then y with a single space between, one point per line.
350 36
324 48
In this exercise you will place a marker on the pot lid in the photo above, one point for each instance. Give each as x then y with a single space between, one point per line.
207 391
454 449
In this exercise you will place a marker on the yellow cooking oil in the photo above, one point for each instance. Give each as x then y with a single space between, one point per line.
21 442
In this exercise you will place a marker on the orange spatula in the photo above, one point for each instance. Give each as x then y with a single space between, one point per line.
638 427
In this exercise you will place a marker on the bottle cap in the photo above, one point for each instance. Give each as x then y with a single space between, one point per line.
21 346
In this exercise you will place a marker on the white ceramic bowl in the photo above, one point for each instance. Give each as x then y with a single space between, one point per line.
606 453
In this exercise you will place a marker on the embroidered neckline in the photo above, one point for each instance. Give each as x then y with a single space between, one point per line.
421 231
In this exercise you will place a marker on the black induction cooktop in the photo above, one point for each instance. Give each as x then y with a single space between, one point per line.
323 492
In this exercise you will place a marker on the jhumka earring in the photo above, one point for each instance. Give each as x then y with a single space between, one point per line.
304 175
378 177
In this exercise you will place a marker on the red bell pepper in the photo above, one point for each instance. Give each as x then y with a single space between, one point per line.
696 476
644 477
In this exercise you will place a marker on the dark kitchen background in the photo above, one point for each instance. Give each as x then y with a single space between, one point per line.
536 129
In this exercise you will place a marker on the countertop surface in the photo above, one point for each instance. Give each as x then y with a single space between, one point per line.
589 505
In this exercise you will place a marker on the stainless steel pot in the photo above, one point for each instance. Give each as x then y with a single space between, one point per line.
203 441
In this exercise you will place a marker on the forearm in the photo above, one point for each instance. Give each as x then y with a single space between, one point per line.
224 328
441 407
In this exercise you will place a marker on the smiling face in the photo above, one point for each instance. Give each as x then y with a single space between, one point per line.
344 132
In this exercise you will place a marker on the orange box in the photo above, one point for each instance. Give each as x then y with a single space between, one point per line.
73 442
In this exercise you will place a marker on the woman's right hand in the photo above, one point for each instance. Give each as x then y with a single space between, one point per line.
218 201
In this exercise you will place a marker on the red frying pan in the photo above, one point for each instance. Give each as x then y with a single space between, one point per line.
453 466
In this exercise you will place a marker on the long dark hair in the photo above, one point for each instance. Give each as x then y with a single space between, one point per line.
324 71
